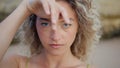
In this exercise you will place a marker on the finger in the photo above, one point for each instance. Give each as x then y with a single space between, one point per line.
57 12
54 11
53 15
57 16
46 7
64 14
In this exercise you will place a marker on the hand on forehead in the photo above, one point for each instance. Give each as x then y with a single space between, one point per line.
61 10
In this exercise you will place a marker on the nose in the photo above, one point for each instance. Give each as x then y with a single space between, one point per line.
55 35
54 27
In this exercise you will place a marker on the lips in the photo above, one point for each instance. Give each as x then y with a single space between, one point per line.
56 45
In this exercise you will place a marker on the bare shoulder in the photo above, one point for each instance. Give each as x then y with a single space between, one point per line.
12 61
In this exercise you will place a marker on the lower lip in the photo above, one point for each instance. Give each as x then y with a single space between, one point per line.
55 46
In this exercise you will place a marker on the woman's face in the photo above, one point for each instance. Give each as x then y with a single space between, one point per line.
58 37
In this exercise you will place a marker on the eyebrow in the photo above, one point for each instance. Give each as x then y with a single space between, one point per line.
45 19
71 19
62 0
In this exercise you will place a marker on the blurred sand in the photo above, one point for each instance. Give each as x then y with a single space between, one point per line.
105 55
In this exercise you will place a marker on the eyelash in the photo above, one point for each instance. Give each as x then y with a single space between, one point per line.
44 24
64 25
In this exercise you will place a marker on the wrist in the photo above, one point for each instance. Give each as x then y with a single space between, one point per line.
25 8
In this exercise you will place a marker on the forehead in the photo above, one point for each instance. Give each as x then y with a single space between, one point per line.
67 7
60 0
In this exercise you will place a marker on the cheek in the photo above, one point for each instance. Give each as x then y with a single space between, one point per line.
70 36
43 34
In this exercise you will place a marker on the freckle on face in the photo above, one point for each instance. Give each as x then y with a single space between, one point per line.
65 37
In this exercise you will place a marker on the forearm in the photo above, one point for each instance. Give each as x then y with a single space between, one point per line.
10 25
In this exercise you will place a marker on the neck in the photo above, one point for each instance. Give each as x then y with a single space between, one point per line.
54 61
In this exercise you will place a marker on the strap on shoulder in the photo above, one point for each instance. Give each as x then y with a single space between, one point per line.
27 63
88 65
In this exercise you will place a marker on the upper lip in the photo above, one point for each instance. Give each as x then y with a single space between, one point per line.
56 44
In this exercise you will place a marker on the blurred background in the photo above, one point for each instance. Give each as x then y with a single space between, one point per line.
106 54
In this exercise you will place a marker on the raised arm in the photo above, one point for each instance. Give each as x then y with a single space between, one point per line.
10 25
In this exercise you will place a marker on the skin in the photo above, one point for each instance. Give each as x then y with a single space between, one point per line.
59 33
55 33
58 37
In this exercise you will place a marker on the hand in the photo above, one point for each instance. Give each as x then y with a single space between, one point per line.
51 7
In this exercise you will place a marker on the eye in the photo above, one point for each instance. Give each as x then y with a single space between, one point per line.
44 24
66 25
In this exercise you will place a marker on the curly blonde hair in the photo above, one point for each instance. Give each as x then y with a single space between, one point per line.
87 35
